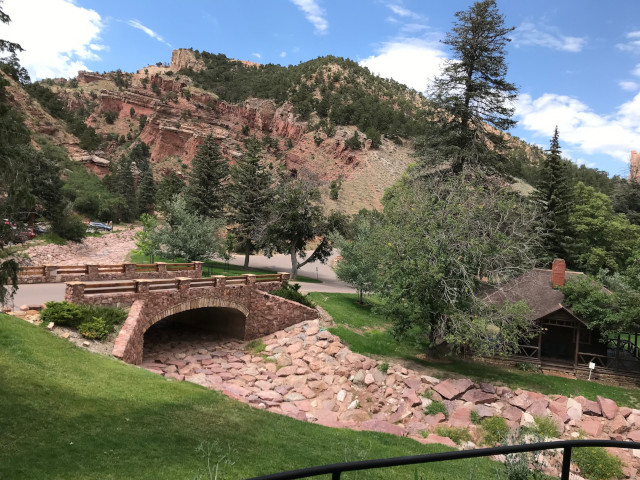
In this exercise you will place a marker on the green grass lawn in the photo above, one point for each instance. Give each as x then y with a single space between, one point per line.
365 332
68 414
216 268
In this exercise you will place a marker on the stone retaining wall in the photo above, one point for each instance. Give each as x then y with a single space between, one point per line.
93 274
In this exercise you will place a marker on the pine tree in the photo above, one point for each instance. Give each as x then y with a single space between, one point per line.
553 195
206 194
249 198
471 98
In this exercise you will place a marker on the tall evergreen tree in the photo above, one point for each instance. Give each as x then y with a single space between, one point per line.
472 98
553 195
146 191
206 194
250 195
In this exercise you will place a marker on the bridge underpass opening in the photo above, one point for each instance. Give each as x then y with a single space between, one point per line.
197 327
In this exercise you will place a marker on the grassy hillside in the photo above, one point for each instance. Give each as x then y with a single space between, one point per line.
69 414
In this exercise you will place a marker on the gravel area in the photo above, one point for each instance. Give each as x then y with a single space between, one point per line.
108 248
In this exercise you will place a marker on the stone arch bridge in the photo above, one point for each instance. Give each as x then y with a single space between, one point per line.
252 311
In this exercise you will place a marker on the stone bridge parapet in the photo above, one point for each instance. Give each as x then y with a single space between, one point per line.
153 300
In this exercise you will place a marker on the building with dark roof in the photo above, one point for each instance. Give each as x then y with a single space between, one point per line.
565 342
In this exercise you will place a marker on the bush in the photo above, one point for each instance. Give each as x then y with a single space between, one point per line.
97 328
475 417
354 142
495 430
62 313
527 367
245 130
595 463
457 434
110 117
70 227
91 321
436 407
383 367
292 292
546 427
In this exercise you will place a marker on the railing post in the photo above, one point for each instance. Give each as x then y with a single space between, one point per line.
51 272
161 268
92 271
566 463
129 270
142 287
249 279
184 284
197 269
74 292
284 277
221 280
335 475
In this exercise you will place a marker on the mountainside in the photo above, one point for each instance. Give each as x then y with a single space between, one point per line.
328 119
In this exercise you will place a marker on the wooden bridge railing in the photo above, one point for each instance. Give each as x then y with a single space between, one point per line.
78 290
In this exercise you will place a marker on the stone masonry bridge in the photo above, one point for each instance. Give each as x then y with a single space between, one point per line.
247 308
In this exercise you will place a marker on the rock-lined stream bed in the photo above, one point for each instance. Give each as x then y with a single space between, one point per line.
306 373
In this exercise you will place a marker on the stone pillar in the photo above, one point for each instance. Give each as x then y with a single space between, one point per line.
142 287
92 272
161 268
184 283
197 272
50 273
74 292
129 270
284 277
221 280
249 279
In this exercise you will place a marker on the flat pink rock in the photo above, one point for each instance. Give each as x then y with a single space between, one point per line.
451 389
382 426
593 428
433 438
477 396
608 407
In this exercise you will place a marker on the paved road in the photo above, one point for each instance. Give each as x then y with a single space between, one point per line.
44 292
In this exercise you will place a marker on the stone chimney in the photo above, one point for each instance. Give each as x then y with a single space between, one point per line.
557 272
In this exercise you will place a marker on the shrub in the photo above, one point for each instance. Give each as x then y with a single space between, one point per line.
527 367
292 292
475 417
354 142
142 122
318 140
245 130
383 367
436 407
110 117
595 463
334 188
53 238
132 112
289 144
70 226
97 328
91 321
546 427
62 313
495 430
457 434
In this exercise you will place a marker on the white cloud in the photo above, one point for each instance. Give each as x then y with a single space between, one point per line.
257 55
582 129
629 85
283 54
529 34
58 36
633 43
401 11
411 61
314 14
148 31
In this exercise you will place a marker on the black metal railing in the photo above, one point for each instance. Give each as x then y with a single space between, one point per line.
336 469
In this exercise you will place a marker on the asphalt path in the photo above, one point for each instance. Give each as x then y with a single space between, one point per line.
45 292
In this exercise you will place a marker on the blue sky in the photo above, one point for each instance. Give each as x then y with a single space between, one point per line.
576 62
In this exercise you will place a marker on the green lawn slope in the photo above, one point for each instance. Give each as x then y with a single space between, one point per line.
69 414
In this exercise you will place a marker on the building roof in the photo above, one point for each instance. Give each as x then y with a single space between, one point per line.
536 289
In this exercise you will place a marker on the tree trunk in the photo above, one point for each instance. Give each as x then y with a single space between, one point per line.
361 295
294 263
247 254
